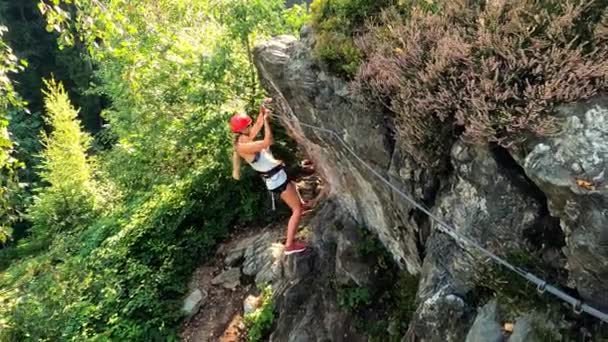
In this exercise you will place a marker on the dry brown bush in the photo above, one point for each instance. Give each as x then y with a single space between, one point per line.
492 69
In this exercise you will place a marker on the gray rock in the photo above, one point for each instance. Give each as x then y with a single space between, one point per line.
305 94
262 258
299 265
351 267
304 298
486 327
486 197
448 319
193 302
251 304
485 202
309 313
523 331
228 279
534 327
583 140
236 254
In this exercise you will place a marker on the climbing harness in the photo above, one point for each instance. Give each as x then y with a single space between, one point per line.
268 174
542 286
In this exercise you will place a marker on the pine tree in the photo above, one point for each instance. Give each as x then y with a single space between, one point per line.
68 199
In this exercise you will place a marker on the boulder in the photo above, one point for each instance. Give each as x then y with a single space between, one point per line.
251 303
229 279
486 327
193 302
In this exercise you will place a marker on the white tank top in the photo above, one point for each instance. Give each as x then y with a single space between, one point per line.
264 161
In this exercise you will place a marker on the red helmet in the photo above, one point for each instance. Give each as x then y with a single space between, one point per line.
239 122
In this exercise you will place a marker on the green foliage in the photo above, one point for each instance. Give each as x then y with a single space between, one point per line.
9 99
382 311
296 17
403 299
260 321
383 314
71 66
25 129
159 197
336 23
69 200
372 247
352 298
514 293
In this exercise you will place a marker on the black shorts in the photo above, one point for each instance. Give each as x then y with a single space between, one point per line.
281 168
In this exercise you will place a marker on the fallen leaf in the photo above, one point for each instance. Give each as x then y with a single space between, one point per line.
584 184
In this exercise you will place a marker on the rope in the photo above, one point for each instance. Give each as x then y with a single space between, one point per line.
541 285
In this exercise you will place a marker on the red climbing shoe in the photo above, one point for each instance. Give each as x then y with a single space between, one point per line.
295 248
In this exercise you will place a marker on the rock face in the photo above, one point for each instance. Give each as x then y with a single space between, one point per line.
299 88
571 169
303 291
510 202
486 202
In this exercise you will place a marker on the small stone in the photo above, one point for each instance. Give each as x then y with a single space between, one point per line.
486 328
193 302
229 279
251 304
600 178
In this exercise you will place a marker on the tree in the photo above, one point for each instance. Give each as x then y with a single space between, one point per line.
68 201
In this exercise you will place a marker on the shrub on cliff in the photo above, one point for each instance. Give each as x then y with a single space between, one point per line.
491 70
336 22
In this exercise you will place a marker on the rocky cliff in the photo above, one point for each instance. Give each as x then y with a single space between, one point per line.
542 206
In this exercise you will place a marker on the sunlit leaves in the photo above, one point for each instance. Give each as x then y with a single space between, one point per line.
69 199
9 99
167 68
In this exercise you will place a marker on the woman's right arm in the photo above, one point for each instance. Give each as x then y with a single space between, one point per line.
257 146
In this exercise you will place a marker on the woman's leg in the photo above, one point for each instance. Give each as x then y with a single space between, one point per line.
291 198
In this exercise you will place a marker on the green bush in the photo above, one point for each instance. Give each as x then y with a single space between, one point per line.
387 305
260 321
118 235
352 298
296 17
490 71
336 24
69 200
9 182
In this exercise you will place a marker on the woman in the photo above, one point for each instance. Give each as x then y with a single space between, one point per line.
257 154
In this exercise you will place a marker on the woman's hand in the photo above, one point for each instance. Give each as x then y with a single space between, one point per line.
267 113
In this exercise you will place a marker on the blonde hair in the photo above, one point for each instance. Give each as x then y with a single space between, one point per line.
236 161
